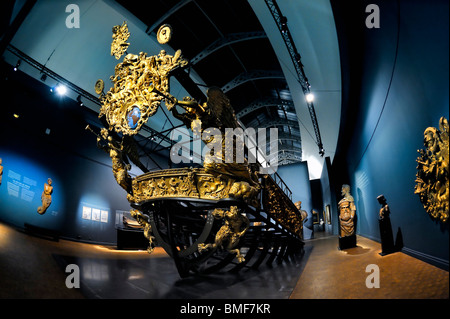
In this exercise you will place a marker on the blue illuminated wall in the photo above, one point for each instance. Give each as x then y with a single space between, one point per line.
296 177
397 79
81 173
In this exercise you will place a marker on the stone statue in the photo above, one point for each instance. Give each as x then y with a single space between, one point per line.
387 238
347 210
46 197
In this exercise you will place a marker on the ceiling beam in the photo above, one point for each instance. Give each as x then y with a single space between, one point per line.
227 40
251 76
264 102
165 16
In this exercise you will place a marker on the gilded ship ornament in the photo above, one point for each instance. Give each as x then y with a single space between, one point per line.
120 36
193 213
432 183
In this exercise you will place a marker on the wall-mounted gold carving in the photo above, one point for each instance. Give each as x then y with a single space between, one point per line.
432 183
234 227
120 36
347 212
46 197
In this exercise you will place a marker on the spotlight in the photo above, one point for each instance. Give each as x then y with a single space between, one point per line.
17 65
61 89
309 97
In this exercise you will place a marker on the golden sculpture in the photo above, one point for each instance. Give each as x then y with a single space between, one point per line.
139 85
432 183
143 221
347 211
120 36
1 171
234 227
164 34
46 197
115 151
281 208
223 189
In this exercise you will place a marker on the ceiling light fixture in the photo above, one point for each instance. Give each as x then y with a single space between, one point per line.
17 65
309 97
80 103
61 89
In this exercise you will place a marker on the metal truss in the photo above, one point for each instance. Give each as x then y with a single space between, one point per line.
281 22
160 21
264 102
278 122
250 76
227 40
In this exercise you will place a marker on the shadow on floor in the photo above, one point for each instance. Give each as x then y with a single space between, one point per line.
157 278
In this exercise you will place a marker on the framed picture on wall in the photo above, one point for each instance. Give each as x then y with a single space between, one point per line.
96 214
87 212
104 216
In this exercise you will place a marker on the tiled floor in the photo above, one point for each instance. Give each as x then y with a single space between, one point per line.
31 267
334 274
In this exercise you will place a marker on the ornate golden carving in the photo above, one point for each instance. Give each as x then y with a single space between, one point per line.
99 86
140 84
120 36
115 150
46 197
347 211
164 34
143 221
234 227
1 171
432 183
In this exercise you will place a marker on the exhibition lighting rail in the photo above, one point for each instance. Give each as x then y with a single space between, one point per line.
163 136
46 71
281 22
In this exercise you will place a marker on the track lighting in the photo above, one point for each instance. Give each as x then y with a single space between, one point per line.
80 103
309 97
60 89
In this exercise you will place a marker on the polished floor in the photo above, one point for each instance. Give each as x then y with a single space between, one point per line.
33 267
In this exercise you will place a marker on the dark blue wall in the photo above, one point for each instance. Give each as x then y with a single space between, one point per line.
397 87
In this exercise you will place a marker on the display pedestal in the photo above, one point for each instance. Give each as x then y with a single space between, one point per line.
131 239
347 242
387 238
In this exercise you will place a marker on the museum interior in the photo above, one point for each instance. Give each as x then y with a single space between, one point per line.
119 179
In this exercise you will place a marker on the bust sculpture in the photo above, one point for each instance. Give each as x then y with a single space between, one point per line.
347 210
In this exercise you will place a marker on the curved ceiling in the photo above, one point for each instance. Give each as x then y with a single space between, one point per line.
232 44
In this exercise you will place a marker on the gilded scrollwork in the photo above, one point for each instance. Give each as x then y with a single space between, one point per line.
144 222
281 208
120 36
140 83
234 227
432 183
